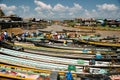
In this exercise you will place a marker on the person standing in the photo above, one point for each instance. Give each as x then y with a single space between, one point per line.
5 35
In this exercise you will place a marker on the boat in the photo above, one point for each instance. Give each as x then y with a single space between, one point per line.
94 69
52 59
23 73
9 45
24 62
106 57
98 43
64 49
45 65
33 74
20 65
61 40
69 46
83 31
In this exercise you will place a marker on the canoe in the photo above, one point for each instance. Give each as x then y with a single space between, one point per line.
10 60
11 46
61 40
70 46
55 50
79 70
57 60
105 44
40 72
106 57
49 66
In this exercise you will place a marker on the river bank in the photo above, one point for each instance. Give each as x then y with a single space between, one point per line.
103 33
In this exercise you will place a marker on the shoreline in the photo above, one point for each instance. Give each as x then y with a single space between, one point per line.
104 33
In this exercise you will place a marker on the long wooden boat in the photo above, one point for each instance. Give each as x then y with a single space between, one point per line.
16 52
95 70
49 59
55 50
83 31
59 44
42 58
92 70
79 70
105 44
61 40
84 58
106 57
31 46
13 72
44 73
9 45
32 39
30 65
70 46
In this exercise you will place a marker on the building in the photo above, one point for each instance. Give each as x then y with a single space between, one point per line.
85 22
113 23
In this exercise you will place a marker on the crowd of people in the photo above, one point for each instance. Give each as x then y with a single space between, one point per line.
3 35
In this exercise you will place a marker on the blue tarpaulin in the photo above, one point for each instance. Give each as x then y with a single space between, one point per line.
98 56
69 76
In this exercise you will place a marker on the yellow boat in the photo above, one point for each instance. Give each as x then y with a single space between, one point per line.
25 70
98 43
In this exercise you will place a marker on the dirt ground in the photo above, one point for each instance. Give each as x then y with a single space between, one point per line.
109 33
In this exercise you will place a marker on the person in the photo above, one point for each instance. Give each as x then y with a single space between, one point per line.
47 78
86 69
39 78
54 75
108 56
65 43
58 77
0 39
2 35
12 35
92 62
69 76
5 35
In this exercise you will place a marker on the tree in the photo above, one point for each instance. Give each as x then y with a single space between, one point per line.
33 20
13 15
105 22
1 12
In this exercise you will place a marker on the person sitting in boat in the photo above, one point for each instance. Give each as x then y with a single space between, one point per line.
86 69
108 56
69 76
92 62
65 43
50 42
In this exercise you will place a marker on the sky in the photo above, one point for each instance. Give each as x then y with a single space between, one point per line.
62 9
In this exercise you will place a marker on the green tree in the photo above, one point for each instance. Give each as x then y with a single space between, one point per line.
105 22
1 12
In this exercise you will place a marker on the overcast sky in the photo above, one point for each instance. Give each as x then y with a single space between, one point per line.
62 9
